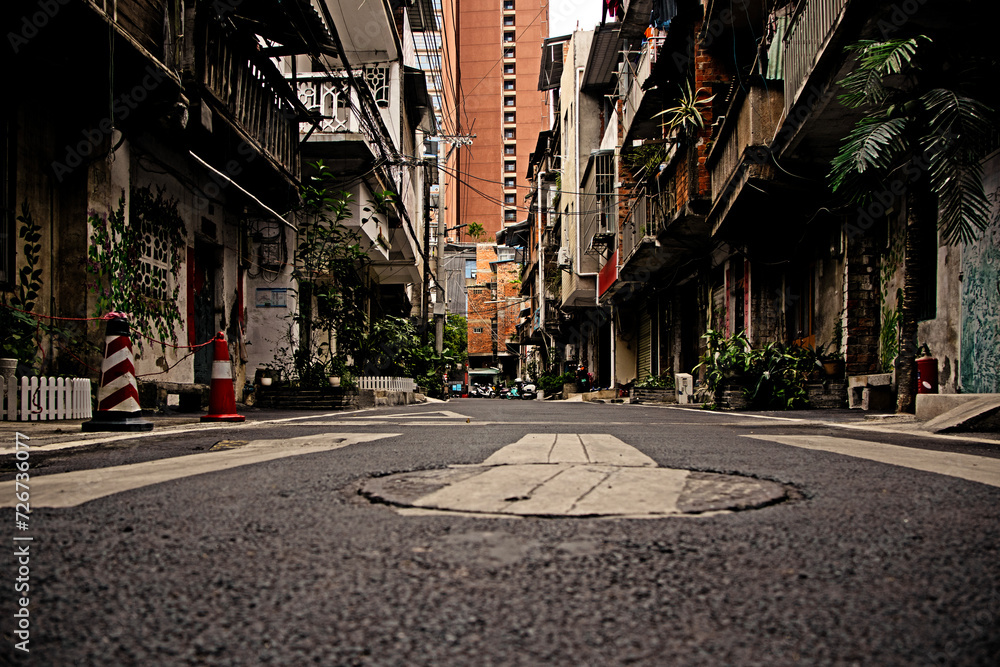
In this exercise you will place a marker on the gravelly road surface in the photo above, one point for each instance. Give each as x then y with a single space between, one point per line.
283 563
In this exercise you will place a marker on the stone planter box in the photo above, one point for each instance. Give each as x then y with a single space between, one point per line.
730 397
289 398
827 395
655 395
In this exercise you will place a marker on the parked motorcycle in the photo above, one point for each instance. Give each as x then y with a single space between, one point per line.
480 391
529 392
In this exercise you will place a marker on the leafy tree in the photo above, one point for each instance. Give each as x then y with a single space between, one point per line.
331 270
477 231
922 134
456 338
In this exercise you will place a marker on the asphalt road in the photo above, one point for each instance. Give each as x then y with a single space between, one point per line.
283 562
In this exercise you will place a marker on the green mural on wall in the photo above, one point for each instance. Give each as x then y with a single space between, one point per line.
980 366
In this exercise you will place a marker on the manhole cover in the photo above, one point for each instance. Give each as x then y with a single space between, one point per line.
589 475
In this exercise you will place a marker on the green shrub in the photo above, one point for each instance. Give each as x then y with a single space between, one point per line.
771 377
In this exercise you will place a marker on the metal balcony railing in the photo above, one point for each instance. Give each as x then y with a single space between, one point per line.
811 27
631 82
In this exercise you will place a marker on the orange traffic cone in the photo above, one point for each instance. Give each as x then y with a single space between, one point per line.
118 396
222 401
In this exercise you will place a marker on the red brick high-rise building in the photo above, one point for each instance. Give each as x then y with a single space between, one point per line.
490 91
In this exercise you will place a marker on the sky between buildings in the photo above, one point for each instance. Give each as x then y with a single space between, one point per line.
565 14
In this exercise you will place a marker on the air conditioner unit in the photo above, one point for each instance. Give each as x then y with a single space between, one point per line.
562 258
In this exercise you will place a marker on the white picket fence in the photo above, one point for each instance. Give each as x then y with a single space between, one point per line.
44 399
388 383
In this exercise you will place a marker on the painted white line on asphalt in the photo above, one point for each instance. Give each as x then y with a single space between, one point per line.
980 469
69 489
8 448
922 434
608 450
634 491
595 448
437 414
852 426
532 448
492 490
735 414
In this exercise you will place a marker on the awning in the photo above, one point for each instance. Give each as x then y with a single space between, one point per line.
514 236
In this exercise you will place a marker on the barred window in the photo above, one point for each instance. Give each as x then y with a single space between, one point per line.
154 262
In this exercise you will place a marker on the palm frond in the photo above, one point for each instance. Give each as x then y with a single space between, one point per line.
957 130
875 145
964 209
958 116
876 60
687 113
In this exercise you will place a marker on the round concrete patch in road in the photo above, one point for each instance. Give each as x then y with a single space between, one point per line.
572 490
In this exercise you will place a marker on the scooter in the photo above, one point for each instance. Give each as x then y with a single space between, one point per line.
529 392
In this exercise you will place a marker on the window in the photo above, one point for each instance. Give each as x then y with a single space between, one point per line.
510 216
477 330
508 52
508 21
509 149
510 133
508 68
470 268
509 117
510 183
508 37
509 199
509 84
510 101
510 166
508 4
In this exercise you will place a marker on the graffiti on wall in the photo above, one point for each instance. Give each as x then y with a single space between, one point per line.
980 366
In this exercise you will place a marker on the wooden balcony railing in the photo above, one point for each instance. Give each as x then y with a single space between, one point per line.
254 97
811 27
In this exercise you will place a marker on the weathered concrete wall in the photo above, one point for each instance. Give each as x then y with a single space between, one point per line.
942 334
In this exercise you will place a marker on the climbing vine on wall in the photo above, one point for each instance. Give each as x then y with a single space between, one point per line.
134 264
21 331
889 331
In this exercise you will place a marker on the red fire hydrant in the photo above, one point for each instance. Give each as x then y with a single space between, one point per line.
927 374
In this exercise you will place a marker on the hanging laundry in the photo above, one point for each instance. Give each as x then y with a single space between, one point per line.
663 13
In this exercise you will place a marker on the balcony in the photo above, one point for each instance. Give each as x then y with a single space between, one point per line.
740 159
631 87
253 98
335 102
809 33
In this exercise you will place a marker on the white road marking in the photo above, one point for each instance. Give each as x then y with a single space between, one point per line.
69 489
98 439
596 448
416 415
964 466
564 474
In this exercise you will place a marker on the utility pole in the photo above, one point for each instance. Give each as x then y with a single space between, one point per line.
440 309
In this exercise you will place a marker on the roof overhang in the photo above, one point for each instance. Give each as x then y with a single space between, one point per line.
602 63
550 71
366 30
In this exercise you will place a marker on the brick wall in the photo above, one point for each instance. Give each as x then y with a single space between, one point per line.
481 315
863 317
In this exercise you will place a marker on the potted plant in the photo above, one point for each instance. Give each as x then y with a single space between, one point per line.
336 371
